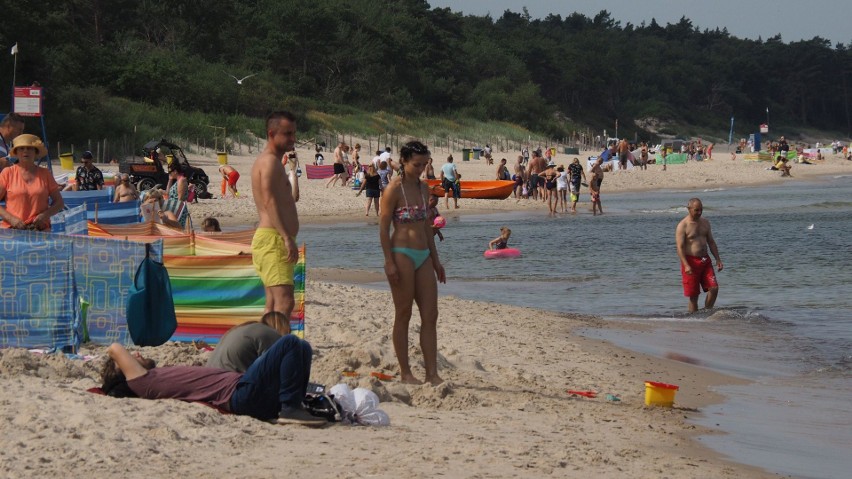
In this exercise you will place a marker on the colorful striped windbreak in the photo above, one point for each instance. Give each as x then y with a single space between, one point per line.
214 283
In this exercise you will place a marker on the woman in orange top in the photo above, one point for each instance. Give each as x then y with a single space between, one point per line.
26 188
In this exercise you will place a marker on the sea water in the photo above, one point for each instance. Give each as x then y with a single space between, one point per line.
783 317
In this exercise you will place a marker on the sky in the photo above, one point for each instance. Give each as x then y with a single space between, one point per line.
793 19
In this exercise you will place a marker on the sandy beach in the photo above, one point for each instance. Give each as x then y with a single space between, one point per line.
503 411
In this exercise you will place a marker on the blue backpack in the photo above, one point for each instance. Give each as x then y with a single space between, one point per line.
151 317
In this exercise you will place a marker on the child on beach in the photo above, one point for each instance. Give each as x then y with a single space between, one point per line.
384 173
211 225
502 241
595 191
434 216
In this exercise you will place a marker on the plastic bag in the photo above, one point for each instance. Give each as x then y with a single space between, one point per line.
376 417
365 401
367 412
342 393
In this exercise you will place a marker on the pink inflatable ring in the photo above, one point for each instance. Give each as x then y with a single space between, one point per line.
502 253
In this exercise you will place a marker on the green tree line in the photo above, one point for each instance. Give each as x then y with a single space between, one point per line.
104 63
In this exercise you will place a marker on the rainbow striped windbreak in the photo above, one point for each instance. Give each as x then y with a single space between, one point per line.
214 283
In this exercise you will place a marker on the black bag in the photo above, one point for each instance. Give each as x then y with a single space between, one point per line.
323 405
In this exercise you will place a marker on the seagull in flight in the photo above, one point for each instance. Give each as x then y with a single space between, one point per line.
811 227
240 80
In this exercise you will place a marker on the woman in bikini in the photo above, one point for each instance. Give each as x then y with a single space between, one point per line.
411 260
125 191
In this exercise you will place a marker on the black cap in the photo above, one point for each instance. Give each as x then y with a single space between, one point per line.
87 155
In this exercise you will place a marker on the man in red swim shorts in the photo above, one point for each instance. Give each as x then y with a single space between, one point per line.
694 237
230 176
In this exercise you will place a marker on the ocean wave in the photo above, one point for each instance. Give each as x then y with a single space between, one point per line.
708 190
673 209
735 314
831 204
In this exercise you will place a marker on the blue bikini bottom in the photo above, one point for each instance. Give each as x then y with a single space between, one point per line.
418 256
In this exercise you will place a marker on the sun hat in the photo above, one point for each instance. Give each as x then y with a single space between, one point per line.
29 140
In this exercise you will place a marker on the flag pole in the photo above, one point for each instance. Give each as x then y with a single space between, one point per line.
14 73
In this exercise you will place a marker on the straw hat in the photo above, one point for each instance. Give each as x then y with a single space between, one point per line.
29 140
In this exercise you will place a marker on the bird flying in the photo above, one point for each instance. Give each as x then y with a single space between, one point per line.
240 80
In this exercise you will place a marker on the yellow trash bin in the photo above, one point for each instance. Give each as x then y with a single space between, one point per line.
67 161
223 157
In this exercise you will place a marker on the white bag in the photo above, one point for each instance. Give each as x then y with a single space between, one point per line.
367 412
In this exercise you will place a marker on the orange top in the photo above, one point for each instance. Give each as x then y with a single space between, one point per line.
26 200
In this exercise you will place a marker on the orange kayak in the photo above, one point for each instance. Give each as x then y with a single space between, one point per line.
487 190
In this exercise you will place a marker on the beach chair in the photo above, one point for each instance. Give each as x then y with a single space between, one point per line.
180 210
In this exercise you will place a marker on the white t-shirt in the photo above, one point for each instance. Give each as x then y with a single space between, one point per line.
562 181
377 160
385 156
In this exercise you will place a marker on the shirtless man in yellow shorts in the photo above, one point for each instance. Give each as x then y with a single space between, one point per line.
274 249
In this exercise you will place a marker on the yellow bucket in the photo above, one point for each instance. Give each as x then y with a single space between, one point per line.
659 394
67 161
222 156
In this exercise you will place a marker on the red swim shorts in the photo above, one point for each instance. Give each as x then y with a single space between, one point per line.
702 274
233 177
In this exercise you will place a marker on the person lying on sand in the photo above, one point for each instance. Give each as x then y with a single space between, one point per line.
240 347
272 389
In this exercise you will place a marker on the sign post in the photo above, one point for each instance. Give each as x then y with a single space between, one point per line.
28 101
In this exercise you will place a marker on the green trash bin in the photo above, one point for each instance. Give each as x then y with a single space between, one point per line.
466 154
477 153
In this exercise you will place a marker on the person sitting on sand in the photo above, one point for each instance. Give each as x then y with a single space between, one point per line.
152 210
125 191
781 165
272 388
502 241
243 344
211 225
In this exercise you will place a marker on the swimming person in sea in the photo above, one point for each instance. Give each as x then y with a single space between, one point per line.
502 241
411 260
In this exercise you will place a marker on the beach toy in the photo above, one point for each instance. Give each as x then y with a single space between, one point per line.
574 197
439 222
659 394
381 376
587 394
350 374
502 253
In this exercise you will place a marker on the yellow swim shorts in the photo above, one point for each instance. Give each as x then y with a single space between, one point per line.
269 256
